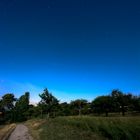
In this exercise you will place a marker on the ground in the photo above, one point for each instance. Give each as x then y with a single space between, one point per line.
20 133
5 130
74 128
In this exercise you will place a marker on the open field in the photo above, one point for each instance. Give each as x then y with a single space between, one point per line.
86 128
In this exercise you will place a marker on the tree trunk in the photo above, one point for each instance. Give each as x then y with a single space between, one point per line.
41 114
48 115
106 113
123 111
79 112
54 114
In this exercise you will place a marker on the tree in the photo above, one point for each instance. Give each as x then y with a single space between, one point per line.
102 104
8 101
121 101
49 100
65 109
22 106
79 104
1 106
42 108
136 103
2 112
7 105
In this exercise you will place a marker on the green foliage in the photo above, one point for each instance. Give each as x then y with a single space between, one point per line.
8 101
6 107
21 107
23 103
135 103
12 109
64 109
102 104
121 101
48 101
79 105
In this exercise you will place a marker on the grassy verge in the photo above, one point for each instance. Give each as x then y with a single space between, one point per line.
5 131
86 128
34 126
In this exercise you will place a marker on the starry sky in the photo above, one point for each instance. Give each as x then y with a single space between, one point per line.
75 48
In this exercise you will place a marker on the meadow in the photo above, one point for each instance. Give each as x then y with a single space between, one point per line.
85 128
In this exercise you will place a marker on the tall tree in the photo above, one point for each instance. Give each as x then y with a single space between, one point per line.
121 100
8 101
135 103
22 106
49 101
7 106
1 112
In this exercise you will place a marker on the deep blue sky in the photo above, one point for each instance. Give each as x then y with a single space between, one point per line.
76 48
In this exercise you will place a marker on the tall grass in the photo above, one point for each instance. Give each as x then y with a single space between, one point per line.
88 128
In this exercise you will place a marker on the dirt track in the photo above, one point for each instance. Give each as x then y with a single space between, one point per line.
20 133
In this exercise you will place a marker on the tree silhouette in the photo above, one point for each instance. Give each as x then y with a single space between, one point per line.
121 101
49 101
102 104
8 101
22 106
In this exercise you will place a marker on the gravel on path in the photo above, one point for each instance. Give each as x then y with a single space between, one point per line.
20 133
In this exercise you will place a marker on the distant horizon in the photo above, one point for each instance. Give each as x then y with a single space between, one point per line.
61 95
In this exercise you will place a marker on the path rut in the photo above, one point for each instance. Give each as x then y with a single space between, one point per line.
20 133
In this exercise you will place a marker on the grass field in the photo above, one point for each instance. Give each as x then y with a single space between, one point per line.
86 128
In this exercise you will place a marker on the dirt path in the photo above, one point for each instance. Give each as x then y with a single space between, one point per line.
20 133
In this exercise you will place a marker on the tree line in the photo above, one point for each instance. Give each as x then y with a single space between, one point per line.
16 110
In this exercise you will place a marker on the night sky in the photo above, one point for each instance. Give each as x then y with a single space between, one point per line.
75 48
